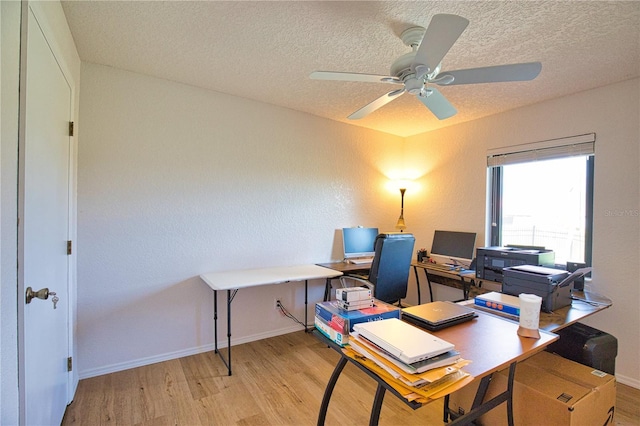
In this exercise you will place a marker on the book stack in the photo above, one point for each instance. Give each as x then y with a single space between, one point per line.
431 377
335 323
354 298
499 303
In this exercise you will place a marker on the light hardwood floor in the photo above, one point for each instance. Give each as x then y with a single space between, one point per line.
276 381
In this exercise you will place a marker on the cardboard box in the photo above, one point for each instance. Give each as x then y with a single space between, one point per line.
343 321
548 390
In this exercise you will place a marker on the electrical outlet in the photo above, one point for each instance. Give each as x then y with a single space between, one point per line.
276 303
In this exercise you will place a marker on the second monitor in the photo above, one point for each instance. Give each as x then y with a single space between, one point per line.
453 247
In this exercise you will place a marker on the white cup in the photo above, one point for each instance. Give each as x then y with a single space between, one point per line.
529 315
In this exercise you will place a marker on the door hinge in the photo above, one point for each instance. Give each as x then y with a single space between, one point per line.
69 364
69 247
71 128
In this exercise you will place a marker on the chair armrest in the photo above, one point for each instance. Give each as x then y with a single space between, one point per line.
356 279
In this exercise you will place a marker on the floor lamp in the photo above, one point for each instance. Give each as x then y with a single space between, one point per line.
400 224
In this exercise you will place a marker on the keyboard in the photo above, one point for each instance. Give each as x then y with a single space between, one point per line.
361 261
441 267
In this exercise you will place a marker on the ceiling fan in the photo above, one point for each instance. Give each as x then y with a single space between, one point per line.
420 70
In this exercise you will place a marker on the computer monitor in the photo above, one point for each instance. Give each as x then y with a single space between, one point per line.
358 242
453 247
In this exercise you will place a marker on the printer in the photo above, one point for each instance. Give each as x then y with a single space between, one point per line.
552 285
490 261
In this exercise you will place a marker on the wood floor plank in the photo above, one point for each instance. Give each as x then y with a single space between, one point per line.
627 405
276 381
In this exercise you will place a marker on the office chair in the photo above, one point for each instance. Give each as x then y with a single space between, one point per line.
390 268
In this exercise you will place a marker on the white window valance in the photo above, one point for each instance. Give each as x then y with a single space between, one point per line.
543 150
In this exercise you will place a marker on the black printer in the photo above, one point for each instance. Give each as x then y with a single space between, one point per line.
552 285
490 261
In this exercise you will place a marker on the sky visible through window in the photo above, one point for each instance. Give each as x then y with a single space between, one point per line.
544 205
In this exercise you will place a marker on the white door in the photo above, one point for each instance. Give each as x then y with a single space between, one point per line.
44 197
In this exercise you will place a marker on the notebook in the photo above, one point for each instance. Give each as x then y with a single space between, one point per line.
407 343
437 315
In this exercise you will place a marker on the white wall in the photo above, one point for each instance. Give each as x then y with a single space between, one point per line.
175 181
455 160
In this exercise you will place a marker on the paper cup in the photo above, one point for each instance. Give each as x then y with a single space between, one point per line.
529 315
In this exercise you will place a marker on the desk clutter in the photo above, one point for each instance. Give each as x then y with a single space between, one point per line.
417 364
525 308
354 298
335 322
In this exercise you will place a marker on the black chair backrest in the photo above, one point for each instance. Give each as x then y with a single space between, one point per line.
391 265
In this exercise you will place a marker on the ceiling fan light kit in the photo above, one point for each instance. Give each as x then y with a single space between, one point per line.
420 69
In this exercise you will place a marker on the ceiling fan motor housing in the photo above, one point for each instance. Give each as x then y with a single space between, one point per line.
401 67
413 85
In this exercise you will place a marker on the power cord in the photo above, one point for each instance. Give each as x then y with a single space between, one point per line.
288 314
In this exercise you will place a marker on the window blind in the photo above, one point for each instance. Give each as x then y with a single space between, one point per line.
543 150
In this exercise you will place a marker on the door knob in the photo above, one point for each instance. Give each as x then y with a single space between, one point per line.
40 294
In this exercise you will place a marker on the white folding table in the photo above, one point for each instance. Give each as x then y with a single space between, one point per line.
232 281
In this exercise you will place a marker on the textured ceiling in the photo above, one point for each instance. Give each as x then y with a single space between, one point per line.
266 50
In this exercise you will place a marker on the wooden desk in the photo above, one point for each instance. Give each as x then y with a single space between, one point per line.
232 281
344 268
554 321
464 280
491 343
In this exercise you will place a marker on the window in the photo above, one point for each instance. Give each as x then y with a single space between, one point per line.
542 196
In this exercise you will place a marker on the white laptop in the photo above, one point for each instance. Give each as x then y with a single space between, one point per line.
402 340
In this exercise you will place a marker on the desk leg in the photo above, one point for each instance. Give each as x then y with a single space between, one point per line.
329 390
426 274
512 374
327 289
415 272
230 296
377 405
479 407
466 288
215 321
306 293
229 299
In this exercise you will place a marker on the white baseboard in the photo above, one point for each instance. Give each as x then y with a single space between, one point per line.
629 381
113 368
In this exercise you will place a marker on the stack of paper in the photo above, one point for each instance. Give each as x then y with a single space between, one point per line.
428 378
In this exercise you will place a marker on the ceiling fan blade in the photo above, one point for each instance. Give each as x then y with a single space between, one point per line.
438 104
380 102
495 74
351 76
442 33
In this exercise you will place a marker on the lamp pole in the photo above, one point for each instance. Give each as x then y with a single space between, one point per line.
400 224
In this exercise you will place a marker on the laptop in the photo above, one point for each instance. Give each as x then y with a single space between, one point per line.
405 342
435 316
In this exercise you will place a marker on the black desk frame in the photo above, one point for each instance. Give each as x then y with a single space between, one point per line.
477 409
466 285
231 294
